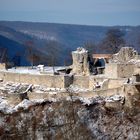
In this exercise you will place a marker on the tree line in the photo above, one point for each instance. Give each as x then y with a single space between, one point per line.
111 43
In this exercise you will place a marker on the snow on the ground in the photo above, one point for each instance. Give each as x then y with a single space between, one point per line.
87 100
23 71
44 89
24 104
76 89
11 87
115 98
92 100
35 70
53 69
5 107
97 100
38 100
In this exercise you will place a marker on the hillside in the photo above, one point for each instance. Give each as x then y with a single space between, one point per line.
14 49
63 38
18 53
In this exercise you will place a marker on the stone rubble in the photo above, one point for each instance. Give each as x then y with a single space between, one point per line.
6 108
125 55
76 89
115 98
11 87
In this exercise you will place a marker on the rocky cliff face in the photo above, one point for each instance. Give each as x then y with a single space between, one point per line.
70 120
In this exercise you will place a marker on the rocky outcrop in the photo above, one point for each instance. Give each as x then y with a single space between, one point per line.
69 120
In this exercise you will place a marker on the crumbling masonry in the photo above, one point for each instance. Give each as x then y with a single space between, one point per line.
121 74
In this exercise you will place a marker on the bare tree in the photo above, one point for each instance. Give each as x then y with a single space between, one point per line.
53 52
3 55
32 56
113 40
91 47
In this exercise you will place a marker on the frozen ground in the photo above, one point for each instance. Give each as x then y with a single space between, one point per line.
35 70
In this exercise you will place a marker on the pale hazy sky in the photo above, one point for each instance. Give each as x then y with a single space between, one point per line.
90 12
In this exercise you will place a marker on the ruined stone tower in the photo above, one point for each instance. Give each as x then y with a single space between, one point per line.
80 62
122 64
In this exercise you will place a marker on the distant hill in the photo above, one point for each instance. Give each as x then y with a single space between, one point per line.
13 50
18 53
62 37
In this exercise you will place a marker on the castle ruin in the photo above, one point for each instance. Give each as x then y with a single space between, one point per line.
121 75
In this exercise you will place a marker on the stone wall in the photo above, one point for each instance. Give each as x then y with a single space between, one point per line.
81 81
136 70
106 83
111 70
89 82
109 92
2 66
60 81
125 70
63 81
116 83
93 80
114 70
